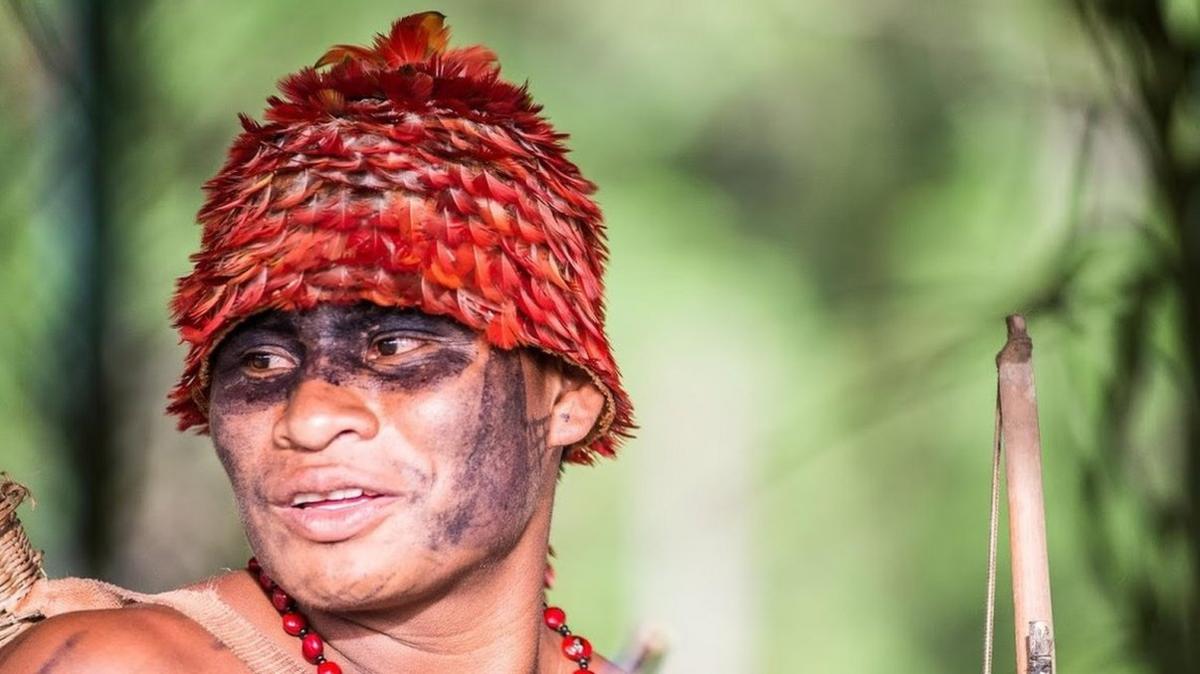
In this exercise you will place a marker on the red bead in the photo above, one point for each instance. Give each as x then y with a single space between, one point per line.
575 647
554 616
252 565
293 623
280 600
312 647
583 671
328 668
265 582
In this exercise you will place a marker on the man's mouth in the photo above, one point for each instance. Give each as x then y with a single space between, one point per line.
336 515
333 500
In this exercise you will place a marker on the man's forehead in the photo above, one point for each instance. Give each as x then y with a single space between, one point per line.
329 318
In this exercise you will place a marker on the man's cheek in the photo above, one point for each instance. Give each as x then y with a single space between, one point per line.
491 475
435 426
233 438
425 410
439 432
245 477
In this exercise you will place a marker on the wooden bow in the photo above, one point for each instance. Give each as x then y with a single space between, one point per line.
1017 432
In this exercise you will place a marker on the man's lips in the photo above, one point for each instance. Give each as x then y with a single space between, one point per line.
335 520
328 506
307 499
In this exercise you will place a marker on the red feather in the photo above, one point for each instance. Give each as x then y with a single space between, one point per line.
405 174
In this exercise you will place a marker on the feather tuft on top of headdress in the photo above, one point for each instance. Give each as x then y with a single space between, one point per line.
408 65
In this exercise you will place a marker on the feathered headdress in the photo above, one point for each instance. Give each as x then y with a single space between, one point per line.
405 174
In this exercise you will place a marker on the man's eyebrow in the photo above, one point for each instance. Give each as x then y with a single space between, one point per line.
398 319
275 322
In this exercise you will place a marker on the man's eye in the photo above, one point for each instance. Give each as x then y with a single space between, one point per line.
264 363
392 345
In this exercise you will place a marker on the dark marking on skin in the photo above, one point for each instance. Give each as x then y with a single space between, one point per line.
536 431
499 475
273 329
64 649
428 371
332 343
230 466
498 434
454 525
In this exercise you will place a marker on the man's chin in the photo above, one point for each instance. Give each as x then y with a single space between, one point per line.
367 590
353 575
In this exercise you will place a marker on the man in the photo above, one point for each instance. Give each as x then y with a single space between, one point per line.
395 330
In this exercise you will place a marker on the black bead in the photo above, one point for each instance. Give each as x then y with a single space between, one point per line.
303 632
563 630
320 659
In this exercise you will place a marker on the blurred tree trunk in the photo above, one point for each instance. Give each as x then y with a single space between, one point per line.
1153 65
69 382
89 408
80 390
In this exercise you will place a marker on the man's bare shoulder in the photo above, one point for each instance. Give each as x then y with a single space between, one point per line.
137 638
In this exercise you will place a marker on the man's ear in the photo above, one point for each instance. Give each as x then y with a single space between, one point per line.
576 408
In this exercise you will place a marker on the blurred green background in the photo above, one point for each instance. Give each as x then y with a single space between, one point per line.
820 212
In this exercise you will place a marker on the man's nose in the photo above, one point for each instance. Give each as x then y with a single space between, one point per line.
319 413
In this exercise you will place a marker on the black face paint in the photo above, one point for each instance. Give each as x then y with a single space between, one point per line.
274 329
493 454
334 343
504 456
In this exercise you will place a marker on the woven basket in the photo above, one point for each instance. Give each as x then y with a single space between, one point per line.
20 564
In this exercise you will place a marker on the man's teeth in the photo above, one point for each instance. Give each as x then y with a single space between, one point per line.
335 495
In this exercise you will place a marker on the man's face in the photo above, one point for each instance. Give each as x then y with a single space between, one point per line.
377 453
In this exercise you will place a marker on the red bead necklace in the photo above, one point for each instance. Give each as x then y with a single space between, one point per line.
312 646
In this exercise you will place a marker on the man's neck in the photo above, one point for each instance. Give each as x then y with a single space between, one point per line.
488 621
